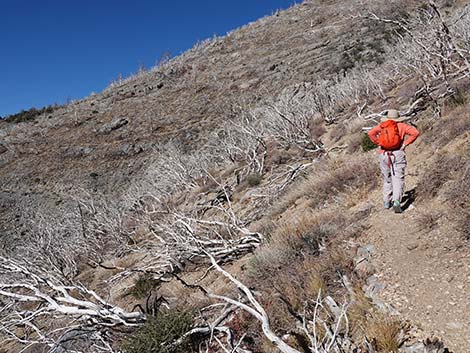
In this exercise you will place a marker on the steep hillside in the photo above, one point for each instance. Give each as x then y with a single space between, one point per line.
104 141
227 200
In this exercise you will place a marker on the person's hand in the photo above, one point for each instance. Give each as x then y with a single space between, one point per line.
403 147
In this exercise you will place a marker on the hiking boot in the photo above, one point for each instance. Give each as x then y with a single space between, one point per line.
387 204
397 207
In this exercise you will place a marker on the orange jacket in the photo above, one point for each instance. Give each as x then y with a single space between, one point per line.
403 130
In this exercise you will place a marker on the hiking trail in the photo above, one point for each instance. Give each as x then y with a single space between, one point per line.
426 272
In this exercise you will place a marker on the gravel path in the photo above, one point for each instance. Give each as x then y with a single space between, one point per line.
426 272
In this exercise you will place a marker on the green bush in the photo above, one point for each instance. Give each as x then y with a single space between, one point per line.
143 286
160 333
253 179
366 143
31 114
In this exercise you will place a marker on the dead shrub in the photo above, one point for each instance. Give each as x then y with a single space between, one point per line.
277 155
242 325
460 97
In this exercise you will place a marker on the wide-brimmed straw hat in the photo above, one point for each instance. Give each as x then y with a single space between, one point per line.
392 114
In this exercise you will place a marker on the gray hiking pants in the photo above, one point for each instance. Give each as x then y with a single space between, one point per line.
392 166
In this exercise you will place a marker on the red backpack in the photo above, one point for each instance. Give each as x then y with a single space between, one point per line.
389 138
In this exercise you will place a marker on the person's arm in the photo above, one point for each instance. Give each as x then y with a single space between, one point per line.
412 134
373 134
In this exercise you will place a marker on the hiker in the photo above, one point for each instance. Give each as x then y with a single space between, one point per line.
390 136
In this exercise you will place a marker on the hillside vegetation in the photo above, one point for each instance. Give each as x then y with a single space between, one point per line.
227 200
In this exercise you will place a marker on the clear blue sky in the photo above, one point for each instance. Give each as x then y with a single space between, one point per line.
54 50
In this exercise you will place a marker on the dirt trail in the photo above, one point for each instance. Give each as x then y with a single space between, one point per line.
426 272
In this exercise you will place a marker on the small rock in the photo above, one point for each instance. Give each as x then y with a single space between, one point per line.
365 268
113 125
455 325
411 246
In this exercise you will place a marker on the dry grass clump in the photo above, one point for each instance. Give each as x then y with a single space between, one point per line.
293 289
438 172
324 186
143 286
300 259
383 332
459 196
338 132
300 282
354 143
428 220
331 180
448 176
293 240
447 129
317 128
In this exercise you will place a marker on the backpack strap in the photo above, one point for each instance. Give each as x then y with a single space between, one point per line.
390 162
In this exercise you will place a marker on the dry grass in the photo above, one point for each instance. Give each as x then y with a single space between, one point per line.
428 219
293 240
354 142
447 176
459 195
338 132
383 332
331 181
358 312
317 128
453 125
439 171
291 268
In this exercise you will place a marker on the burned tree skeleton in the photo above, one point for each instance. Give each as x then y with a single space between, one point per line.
183 212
